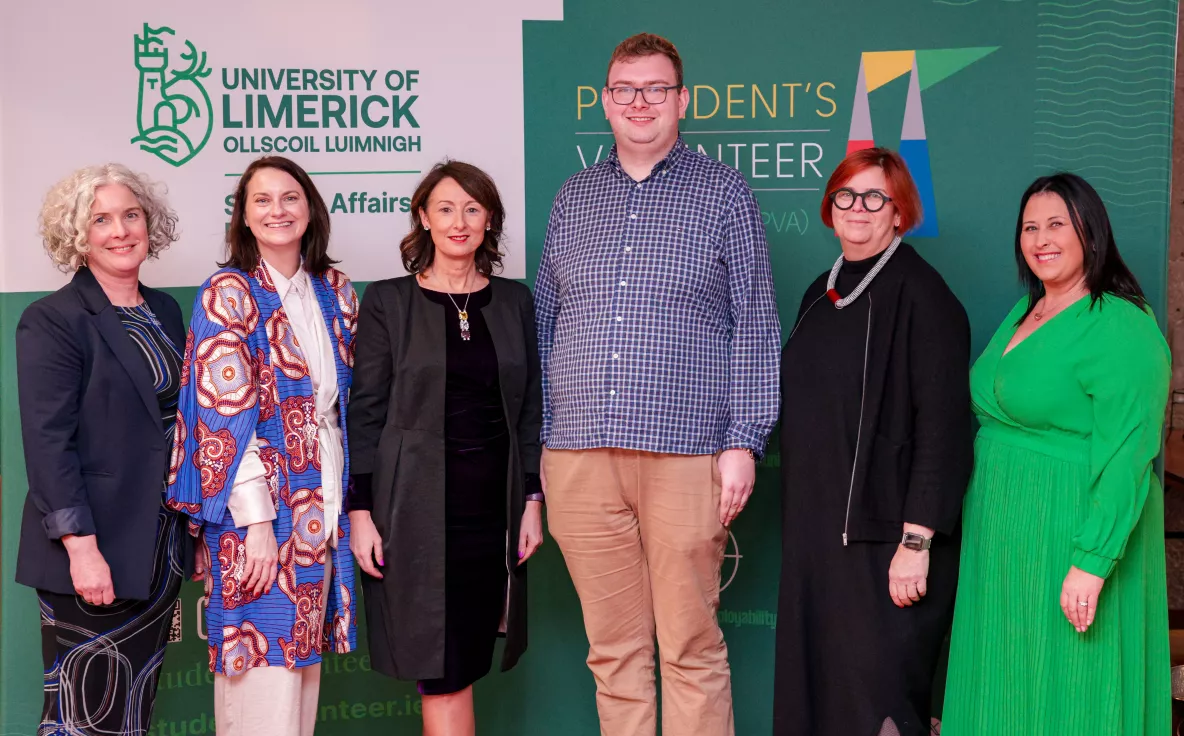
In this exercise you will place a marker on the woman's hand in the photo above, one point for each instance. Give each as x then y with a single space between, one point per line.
530 536
261 567
907 575
89 571
201 559
365 542
1079 597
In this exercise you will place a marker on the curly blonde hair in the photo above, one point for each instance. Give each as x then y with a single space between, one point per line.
65 216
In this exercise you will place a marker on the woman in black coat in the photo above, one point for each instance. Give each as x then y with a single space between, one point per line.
875 458
98 371
444 420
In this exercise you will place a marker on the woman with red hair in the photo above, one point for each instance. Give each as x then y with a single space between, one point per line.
875 457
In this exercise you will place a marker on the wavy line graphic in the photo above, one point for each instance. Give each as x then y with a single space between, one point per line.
1078 6
1093 57
1124 93
1130 172
1118 23
1109 103
1138 37
1105 78
1099 156
1111 45
1104 134
1101 111
1106 67
1087 144
1096 123
1121 13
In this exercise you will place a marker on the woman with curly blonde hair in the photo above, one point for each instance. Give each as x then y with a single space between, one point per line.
99 371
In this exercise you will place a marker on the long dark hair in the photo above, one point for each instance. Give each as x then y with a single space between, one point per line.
242 252
1105 271
418 250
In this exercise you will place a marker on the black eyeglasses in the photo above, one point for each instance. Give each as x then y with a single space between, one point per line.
651 95
873 199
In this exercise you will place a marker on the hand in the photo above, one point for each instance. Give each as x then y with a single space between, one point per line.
737 472
365 542
1080 587
89 571
261 566
530 536
201 559
907 575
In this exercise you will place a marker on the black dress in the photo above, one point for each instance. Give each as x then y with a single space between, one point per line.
102 663
476 453
848 659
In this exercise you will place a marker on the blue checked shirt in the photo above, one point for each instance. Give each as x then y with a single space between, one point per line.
657 321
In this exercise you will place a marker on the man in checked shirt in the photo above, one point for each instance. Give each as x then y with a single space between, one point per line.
659 342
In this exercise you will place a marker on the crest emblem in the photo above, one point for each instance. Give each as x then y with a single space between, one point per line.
174 115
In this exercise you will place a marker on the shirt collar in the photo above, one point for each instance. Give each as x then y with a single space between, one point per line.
666 164
299 283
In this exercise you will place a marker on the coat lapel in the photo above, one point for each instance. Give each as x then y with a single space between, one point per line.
111 329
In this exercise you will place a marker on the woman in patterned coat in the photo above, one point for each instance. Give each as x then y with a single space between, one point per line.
260 458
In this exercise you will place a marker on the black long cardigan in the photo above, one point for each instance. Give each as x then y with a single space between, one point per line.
917 434
396 433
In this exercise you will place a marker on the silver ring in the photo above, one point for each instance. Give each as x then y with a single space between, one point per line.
1083 603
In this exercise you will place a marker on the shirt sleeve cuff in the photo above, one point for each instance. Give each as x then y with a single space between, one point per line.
75 520
740 436
361 493
1092 563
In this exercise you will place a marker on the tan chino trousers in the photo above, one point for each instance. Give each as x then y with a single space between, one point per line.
641 536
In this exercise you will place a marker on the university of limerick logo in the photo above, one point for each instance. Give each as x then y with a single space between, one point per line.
175 115
925 69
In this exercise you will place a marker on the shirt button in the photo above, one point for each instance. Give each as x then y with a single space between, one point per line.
612 392
620 318
633 216
628 248
615 356
622 283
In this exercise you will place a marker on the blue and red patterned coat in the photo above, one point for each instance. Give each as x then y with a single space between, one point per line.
244 372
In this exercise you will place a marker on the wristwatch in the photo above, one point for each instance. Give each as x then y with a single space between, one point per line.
915 542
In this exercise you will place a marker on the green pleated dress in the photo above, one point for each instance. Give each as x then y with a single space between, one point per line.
1071 422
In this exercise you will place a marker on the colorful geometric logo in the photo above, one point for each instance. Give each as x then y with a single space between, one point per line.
925 69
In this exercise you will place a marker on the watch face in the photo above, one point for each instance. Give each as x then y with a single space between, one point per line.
913 542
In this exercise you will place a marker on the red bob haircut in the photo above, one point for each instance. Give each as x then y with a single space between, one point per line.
900 184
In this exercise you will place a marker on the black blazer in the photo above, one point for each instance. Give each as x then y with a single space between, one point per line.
396 432
917 435
95 450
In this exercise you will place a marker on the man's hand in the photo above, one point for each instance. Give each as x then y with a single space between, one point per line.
737 472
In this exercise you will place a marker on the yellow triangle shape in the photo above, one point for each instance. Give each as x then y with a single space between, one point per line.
881 67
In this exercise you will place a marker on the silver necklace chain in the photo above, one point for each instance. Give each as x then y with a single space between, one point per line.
462 314
841 302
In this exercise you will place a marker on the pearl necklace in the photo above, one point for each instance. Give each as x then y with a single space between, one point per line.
841 302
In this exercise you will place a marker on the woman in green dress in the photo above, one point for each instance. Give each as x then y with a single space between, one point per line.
1060 624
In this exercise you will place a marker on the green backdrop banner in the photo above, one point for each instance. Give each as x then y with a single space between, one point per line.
981 96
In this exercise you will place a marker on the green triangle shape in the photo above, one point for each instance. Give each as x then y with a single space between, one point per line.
934 66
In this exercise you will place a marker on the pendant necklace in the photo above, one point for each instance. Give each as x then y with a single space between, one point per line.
1039 315
463 314
841 302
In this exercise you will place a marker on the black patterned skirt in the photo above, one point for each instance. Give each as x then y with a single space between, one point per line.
102 663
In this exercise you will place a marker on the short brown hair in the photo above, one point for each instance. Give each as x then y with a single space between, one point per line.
418 250
242 252
646 44
901 188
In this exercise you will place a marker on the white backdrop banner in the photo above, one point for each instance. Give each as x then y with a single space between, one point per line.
366 95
